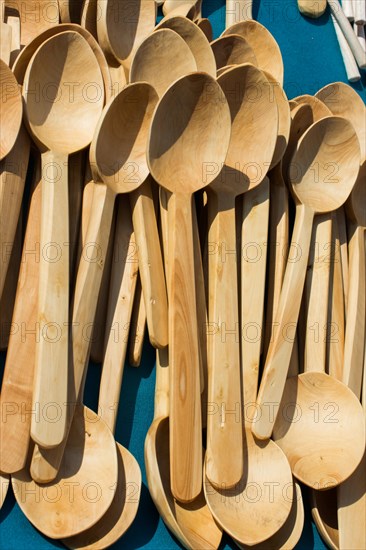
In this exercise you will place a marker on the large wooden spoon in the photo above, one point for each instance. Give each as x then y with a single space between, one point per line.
245 166
190 132
318 466
123 509
10 109
129 148
263 44
62 121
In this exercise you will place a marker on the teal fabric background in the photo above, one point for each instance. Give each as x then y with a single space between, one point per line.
312 59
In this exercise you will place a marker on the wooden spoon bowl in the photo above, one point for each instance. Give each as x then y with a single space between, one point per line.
23 59
11 109
162 48
264 46
195 39
232 50
84 487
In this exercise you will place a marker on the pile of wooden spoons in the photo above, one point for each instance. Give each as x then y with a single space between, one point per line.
165 180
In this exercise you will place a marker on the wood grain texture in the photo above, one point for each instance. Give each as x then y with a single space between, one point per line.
180 147
265 47
17 386
150 264
195 39
11 109
13 170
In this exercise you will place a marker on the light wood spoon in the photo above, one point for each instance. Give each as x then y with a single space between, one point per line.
319 466
263 44
10 109
123 509
189 123
23 59
57 136
17 385
232 49
245 166
195 39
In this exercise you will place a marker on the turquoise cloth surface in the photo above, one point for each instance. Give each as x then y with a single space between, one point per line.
312 59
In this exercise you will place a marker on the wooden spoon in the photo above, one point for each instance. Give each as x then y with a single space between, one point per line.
137 328
10 109
122 26
36 16
189 123
195 39
23 59
232 50
318 466
162 58
245 166
264 46
13 170
17 385
284 119
342 100
171 6
312 9
57 136
123 509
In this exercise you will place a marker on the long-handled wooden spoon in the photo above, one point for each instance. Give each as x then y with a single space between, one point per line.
62 121
244 168
122 511
129 147
263 44
339 450
189 123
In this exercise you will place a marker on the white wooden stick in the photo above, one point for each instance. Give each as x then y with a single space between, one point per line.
360 33
348 32
359 10
353 74
238 10
347 6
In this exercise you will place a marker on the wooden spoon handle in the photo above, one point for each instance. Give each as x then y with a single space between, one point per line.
224 422
150 264
120 302
50 382
184 405
13 170
46 462
161 400
137 327
17 385
336 321
343 242
317 289
355 327
286 317
254 238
